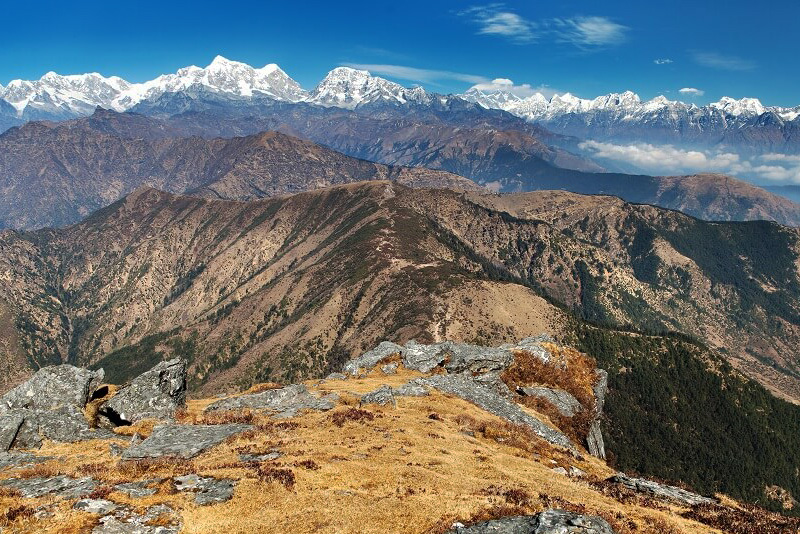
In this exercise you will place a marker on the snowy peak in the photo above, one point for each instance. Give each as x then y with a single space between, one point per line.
346 87
64 95
744 106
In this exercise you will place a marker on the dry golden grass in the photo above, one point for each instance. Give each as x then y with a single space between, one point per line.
411 469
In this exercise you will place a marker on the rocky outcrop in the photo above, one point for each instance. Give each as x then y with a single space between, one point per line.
594 440
182 441
284 402
382 396
49 406
566 404
156 394
465 386
661 491
60 486
547 522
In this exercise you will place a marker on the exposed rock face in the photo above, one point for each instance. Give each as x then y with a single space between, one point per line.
284 402
382 396
547 522
662 491
156 394
127 521
60 486
565 403
95 506
49 405
182 441
53 387
141 488
463 385
594 441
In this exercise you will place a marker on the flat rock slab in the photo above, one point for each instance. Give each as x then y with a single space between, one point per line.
19 459
382 396
547 522
182 441
9 425
663 491
95 506
256 458
138 489
125 521
207 490
286 402
466 387
61 486
52 387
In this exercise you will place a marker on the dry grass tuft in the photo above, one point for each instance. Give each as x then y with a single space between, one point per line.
152 468
265 386
14 513
746 519
223 418
311 465
144 428
340 417
268 473
518 436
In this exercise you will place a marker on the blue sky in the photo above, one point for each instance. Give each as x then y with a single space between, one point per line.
736 48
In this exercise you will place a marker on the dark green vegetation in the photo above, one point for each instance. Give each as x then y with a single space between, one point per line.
677 412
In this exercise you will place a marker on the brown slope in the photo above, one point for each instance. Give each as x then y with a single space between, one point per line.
51 175
282 288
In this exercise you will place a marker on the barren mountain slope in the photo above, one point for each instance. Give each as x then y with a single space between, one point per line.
285 288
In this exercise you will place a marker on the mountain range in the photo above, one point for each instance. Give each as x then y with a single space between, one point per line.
744 125
54 174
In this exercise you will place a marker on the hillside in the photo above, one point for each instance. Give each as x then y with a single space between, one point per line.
285 289
399 442
56 174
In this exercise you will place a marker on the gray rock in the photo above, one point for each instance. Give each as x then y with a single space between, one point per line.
662 491
19 459
61 486
424 358
156 394
65 424
208 490
382 396
336 376
9 425
564 402
493 381
95 506
286 401
547 522
477 359
130 522
464 386
53 387
390 368
576 472
594 440
413 388
370 359
559 470
182 441
256 458
138 489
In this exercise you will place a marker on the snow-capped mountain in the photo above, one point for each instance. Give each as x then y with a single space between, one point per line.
745 123
348 88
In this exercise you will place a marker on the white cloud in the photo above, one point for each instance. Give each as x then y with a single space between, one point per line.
722 62
590 31
583 32
492 19
418 75
667 159
691 91
662 61
523 90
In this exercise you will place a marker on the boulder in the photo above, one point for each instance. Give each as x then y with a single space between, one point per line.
286 402
141 488
95 506
661 491
53 387
390 368
382 396
156 394
564 402
182 441
158 519
19 459
465 386
412 388
60 486
547 522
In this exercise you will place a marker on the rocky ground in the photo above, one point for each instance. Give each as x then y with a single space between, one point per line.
447 437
